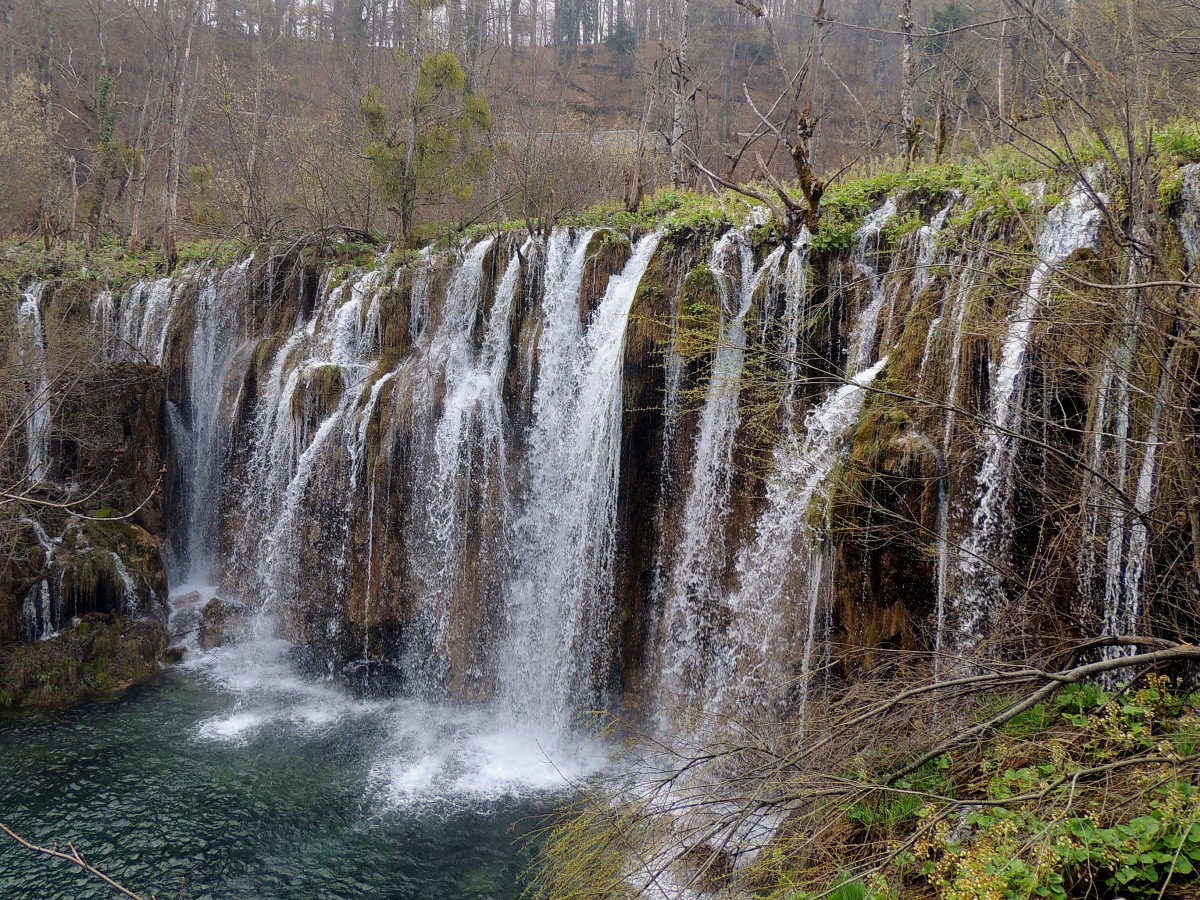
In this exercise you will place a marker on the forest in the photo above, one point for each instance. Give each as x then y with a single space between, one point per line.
219 119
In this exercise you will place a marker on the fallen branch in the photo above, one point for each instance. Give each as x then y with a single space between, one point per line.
75 858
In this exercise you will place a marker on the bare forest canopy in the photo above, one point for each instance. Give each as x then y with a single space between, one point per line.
143 121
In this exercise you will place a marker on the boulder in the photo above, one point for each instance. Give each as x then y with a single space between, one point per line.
99 653
221 622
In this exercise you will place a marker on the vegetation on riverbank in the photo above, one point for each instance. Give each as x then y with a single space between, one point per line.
1090 792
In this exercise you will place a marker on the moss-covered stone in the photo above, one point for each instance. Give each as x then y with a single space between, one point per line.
100 653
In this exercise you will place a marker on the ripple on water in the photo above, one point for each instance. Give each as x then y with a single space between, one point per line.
249 780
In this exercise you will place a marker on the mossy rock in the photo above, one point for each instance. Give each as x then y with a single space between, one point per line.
138 549
699 327
101 653
607 254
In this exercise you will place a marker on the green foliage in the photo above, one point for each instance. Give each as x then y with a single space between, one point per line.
947 21
1179 142
1017 853
903 226
445 123
836 235
1032 721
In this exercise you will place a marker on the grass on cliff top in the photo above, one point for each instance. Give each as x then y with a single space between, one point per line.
997 184
107 265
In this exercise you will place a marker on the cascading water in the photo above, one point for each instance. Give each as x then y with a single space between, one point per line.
31 350
457 417
217 339
144 317
559 597
786 560
738 670
1128 537
104 315
1070 227
945 558
695 583
38 614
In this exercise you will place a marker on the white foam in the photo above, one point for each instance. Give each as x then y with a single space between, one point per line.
428 754
441 755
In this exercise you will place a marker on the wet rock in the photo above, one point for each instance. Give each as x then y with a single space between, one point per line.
111 433
99 653
174 654
222 622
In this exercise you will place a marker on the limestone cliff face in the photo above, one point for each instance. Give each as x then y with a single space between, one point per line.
84 467
602 468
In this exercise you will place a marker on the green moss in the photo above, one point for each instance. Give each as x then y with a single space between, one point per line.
99 654
699 326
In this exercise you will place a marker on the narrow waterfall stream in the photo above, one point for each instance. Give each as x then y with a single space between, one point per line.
31 349
983 558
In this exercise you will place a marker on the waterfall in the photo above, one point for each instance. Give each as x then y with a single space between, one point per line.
795 309
467 380
782 571
144 317
553 657
945 560
732 650
217 338
695 582
1124 577
39 614
927 257
301 421
1071 226
104 318
31 350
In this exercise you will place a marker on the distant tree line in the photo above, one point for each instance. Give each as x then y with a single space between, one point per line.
139 120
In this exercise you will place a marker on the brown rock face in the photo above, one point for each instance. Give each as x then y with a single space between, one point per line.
110 432
221 622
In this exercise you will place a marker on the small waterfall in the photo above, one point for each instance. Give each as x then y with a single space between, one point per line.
40 615
456 417
696 581
1071 226
945 560
217 339
783 573
927 244
131 601
738 668
1128 541
144 317
795 309
302 420
863 339
31 350
928 254
104 316
554 654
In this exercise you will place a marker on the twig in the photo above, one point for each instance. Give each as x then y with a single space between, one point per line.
75 858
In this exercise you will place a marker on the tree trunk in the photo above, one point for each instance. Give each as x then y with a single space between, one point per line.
908 86
679 70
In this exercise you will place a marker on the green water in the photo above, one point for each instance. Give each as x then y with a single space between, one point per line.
252 785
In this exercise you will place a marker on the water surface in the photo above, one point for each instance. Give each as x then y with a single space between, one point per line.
251 782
